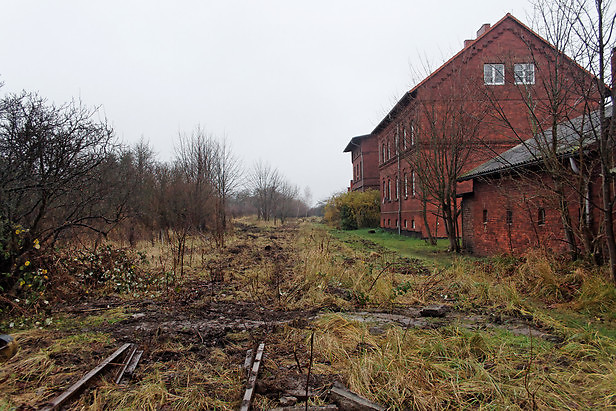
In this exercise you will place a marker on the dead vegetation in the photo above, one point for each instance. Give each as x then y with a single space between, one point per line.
536 333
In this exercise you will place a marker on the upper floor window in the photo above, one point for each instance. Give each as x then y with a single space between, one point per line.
494 74
397 188
524 73
405 189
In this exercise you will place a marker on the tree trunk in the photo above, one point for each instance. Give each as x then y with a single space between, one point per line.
563 208
424 213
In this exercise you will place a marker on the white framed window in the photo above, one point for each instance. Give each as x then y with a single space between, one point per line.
524 73
413 224
404 137
413 183
397 188
406 185
494 74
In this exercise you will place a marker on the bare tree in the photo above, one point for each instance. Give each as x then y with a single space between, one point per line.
554 94
264 181
570 98
226 175
595 29
307 199
286 200
212 171
446 123
58 172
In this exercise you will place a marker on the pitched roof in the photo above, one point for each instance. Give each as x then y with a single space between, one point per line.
355 142
569 140
409 95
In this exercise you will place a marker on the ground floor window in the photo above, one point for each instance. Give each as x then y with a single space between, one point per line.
413 224
541 216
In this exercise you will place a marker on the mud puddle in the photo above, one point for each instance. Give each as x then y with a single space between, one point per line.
412 319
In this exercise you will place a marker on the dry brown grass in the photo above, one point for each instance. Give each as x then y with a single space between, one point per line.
404 368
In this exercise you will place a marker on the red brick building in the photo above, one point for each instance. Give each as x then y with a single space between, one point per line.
492 77
365 160
513 206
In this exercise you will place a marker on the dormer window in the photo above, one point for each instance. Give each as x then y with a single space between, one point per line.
524 73
494 74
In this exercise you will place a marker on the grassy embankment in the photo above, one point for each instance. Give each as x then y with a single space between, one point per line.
451 365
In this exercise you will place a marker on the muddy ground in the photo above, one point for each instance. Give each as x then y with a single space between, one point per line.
214 313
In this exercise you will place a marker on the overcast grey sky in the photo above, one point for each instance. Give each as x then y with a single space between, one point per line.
288 82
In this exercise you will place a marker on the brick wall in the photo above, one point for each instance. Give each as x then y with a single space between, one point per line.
487 228
364 159
507 43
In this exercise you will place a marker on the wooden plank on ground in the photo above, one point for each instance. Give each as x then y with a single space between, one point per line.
57 402
348 400
127 361
250 387
130 370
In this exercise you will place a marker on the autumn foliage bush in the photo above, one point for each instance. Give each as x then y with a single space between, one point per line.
352 210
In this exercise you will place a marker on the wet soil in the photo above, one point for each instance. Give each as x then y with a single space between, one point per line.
206 314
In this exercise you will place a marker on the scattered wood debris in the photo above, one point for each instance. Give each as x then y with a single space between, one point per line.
127 369
348 400
248 362
250 387
132 365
